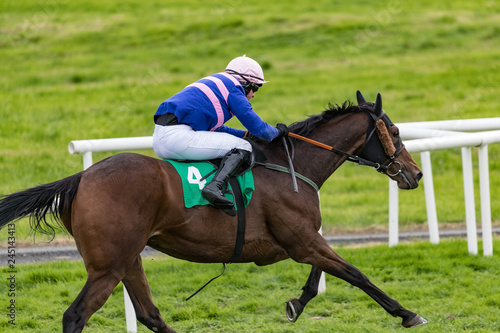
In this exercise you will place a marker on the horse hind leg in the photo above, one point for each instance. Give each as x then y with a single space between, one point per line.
294 307
97 290
104 272
138 288
92 297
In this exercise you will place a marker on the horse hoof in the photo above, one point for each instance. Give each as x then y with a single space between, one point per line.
415 321
293 309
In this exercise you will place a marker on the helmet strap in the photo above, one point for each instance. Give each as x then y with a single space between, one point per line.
243 76
248 85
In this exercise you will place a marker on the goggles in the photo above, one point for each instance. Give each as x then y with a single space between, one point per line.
251 86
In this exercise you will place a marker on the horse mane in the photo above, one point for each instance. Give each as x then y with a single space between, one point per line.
305 127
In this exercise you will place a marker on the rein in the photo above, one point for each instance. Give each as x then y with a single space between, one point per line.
356 159
350 157
280 168
290 163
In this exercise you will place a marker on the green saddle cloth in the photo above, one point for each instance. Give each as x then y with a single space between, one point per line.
192 172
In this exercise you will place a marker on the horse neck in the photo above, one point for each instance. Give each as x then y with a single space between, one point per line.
346 132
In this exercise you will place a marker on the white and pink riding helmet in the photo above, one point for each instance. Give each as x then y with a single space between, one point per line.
247 71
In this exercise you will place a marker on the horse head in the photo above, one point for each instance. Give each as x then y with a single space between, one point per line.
384 146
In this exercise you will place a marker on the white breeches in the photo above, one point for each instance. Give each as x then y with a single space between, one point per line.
182 142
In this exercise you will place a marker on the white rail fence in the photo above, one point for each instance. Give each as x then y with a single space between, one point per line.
439 135
422 137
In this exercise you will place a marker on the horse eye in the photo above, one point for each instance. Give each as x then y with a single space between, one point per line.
396 131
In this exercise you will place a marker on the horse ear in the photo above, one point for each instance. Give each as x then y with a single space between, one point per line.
378 105
360 97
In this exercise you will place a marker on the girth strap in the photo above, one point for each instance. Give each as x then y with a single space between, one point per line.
276 167
240 233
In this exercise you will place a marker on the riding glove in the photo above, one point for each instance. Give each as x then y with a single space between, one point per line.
282 130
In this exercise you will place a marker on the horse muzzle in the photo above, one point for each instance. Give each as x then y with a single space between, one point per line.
407 180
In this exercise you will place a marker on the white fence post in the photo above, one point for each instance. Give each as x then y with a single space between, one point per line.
322 280
130 316
470 207
87 160
430 200
393 213
484 188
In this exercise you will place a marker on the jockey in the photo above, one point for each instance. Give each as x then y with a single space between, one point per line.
190 124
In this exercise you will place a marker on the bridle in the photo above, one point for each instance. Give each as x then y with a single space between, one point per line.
385 165
381 166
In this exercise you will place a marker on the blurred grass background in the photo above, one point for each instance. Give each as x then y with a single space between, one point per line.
72 70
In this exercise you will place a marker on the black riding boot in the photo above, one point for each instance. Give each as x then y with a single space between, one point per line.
213 190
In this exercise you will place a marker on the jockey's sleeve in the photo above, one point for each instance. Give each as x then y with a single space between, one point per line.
236 132
243 110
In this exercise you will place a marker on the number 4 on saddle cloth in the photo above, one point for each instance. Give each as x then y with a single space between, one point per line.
194 177
196 174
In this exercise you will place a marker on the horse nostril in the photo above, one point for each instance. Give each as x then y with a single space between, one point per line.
419 176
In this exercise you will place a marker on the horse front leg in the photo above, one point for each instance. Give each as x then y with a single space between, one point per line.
340 268
294 307
351 274
325 259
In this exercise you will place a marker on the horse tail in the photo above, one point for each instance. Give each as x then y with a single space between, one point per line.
53 198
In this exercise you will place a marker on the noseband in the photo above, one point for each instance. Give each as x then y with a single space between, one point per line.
380 166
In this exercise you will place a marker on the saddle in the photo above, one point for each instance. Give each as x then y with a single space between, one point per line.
194 174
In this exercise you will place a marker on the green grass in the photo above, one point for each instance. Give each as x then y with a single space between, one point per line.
88 70
454 291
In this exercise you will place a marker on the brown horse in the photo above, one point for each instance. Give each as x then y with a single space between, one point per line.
125 202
